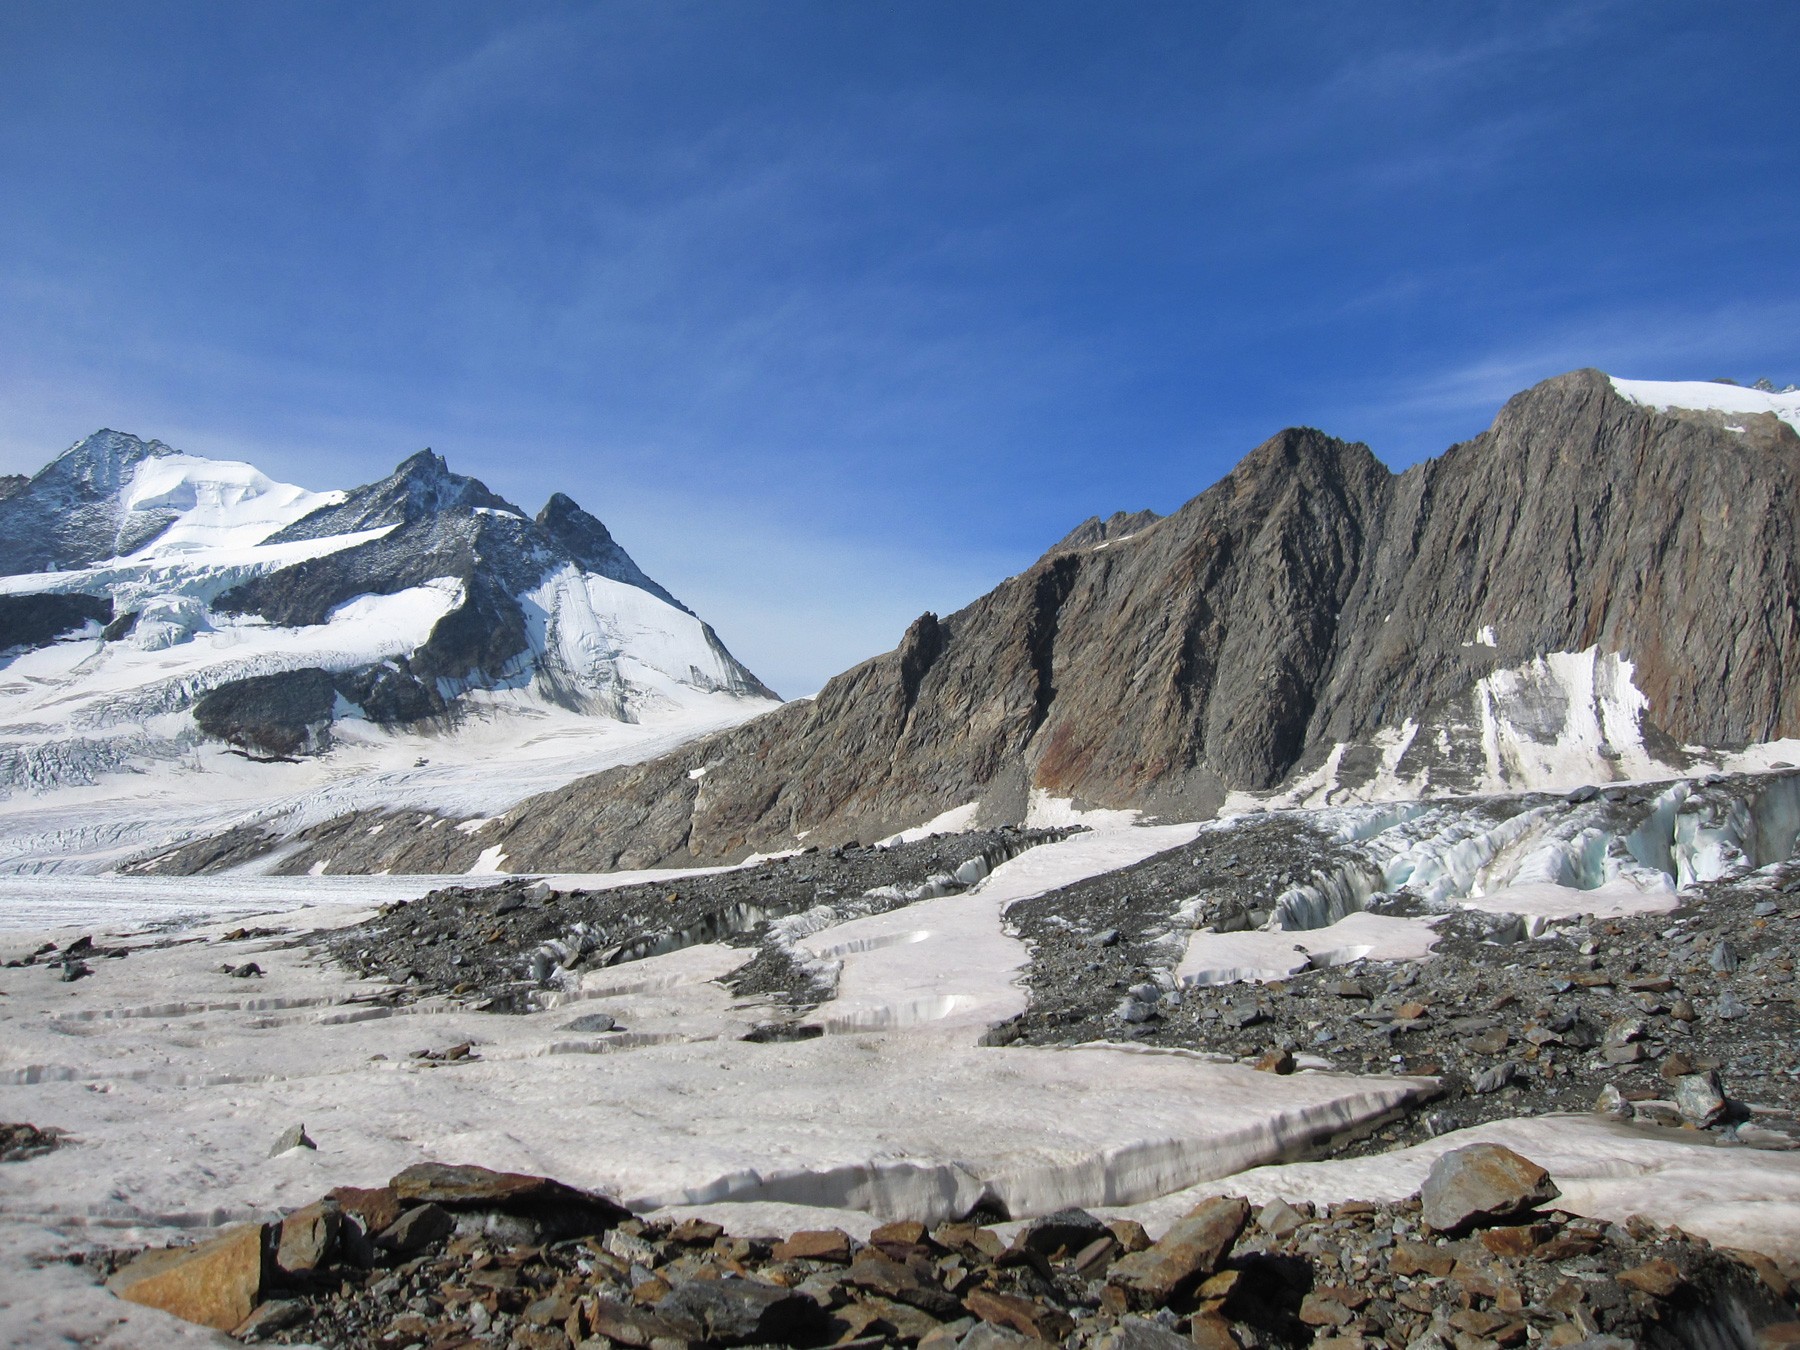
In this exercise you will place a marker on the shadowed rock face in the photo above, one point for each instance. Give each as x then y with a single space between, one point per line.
1309 597
70 513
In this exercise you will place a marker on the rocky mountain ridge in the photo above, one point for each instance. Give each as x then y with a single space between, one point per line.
1576 594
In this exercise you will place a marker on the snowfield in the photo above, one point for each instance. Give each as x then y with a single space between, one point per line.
174 1078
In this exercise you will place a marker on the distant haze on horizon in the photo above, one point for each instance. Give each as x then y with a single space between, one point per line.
836 313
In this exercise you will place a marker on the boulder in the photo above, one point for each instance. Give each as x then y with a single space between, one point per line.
417 1229
309 1237
1473 1186
557 1211
217 1283
741 1312
1067 1230
1700 1099
1188 1252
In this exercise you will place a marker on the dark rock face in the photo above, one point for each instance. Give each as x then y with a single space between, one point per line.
591 545
276 715
28 621
422 487
11 483
70 513
1309 597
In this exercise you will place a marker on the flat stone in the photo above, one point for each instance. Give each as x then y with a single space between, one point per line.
745 1311
1187 1253
626 1325
217 1284
947 1336
905 1233
1278 1218
591 1022
1658 1278
1210 1331
1020 1314
278 1314
828 1244
1482 1183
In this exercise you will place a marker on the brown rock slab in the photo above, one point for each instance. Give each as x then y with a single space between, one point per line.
1210 1331
824 1244
217 1284
417 1229
561 1211
1421 1258
905 1233
1187 1253
1658 1278
375 1207
1480 1184
1517 1240
1021 1315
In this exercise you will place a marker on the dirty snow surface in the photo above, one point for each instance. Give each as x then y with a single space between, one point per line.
1021 1037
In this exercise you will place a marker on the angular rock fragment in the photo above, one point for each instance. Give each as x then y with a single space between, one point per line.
829 1244
416 1229
217 1284
739 1312
1188 1252
294 1136
1067 1230
1481 1183
309 1237
1700 1099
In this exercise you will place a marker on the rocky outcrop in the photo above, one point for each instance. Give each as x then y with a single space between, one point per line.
1309 598
1292 612
28 621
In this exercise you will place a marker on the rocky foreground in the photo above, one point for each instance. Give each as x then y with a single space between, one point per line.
1480 1258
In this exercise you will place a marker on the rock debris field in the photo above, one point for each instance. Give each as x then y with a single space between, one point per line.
1496 1072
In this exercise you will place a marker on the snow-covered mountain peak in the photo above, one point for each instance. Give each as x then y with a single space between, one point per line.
153 602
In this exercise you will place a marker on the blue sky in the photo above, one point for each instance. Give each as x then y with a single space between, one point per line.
839 311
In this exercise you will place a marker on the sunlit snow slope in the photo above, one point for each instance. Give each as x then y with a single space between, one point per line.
187 645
